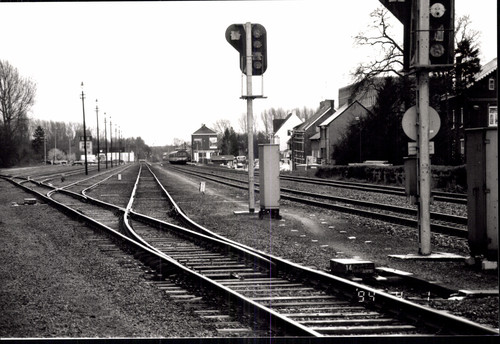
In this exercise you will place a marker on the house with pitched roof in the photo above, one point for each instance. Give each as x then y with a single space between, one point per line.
203 144
282 132
332 128
303 149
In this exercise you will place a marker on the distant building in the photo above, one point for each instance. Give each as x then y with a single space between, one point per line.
81 142
303 149
332 128
282 132
203 144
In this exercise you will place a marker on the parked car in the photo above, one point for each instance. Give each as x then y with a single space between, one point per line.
241 161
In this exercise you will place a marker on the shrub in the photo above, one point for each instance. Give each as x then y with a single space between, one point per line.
449 178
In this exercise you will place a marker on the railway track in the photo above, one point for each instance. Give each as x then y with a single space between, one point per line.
114 222
440 223
439 196
292 299
319 319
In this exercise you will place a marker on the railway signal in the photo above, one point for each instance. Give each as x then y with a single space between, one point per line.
236 36
259 49
428 45
441 32
250 40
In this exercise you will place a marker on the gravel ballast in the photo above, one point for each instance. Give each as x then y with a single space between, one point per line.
56 283
312 237
84 292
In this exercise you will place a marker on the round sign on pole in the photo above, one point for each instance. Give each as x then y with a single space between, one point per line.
410 123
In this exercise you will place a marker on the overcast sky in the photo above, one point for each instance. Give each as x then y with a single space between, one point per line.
162 69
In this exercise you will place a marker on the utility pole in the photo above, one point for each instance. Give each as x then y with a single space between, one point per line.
55 147
106 139
45 148
119 145
98 149
84 132
111 141
116 136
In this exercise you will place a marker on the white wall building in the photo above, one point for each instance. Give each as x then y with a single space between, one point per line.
282 130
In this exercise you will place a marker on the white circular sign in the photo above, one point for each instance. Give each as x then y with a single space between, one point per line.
410 123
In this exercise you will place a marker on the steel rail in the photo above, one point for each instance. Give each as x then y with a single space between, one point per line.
436 228
441 196
168 266
250 307
387 189
374 298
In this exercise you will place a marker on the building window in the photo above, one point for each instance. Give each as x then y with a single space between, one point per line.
213 142
493 116
491 84
462 146
461 117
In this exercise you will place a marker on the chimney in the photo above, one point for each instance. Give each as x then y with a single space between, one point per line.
327 102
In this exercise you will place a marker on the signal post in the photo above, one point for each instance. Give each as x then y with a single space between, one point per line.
250 41
428 46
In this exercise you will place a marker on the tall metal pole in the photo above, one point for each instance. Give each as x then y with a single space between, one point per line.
98 149
116 135
106 139
251 192
55 146
111 141
119 145
423 122
84 132
45 148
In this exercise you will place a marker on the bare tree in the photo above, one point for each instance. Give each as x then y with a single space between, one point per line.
267 117
267 121
17 96
178 143
221 125
242 122
380 35
463 32
305 113
390 60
